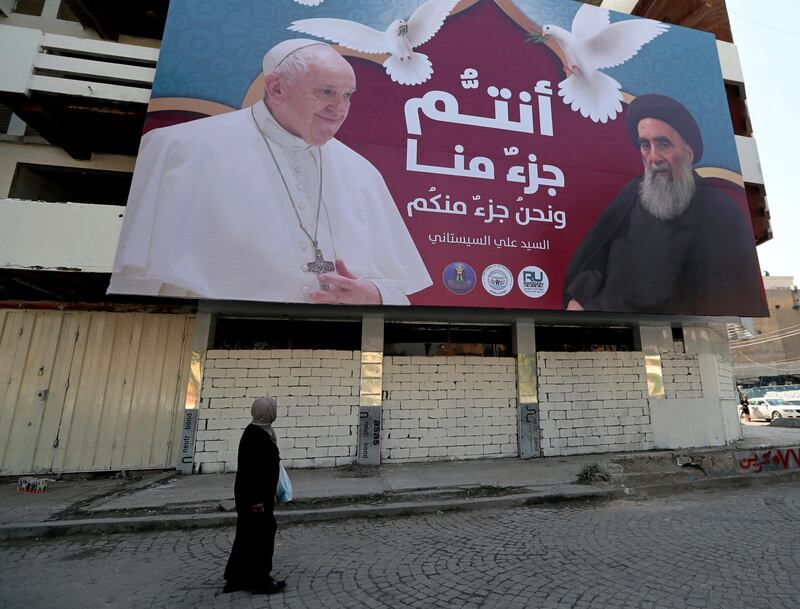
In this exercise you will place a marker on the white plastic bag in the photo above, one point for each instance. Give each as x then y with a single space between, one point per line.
283 492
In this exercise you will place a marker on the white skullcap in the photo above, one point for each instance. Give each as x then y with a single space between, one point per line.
281 51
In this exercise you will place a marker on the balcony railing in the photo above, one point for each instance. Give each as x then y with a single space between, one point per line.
66 65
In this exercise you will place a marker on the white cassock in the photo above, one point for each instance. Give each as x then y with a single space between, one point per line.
208 215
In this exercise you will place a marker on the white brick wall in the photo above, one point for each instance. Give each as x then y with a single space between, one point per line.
681 376
317 393
448 408
438 408
593 403
727 380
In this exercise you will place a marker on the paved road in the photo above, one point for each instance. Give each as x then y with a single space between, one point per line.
689 551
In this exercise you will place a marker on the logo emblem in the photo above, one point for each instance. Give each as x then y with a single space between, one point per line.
533 282
497 280
459 277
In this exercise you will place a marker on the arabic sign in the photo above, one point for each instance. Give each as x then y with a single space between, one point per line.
502 142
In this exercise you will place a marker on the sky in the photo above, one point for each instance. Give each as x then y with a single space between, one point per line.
767 35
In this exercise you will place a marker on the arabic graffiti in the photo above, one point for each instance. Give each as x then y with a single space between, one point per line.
770 460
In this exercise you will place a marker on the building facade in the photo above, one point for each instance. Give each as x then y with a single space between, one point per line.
770 355
90 382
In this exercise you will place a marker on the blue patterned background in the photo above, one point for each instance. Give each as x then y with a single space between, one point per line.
212 50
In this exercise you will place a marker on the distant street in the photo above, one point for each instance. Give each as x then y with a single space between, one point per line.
732 549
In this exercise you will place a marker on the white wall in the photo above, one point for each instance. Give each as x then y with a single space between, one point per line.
593 403
448 408
598 402
317 393
439 408
71 236
700 409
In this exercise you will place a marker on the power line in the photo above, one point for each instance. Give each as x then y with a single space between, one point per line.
757 341
779 330
769 366
743 343
764 25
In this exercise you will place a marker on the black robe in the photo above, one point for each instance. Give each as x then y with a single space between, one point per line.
701 263
250 562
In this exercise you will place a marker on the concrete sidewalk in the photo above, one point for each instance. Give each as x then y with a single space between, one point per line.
162 500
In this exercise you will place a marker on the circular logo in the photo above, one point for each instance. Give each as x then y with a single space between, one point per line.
497 280
533 282
459 277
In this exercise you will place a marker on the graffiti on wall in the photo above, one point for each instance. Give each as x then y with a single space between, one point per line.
775 459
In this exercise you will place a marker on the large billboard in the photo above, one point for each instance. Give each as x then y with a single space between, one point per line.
521 154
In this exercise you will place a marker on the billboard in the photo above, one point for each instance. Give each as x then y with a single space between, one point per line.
521 154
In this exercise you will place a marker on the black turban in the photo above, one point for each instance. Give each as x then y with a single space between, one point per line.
671 112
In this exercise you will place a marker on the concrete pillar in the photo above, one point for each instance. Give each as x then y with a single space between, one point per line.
528 431
201 340
711 343
371 391
711 338
726 424
653 339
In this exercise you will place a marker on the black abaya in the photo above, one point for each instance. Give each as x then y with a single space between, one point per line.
250 562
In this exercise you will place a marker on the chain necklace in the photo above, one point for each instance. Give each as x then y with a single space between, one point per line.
319 265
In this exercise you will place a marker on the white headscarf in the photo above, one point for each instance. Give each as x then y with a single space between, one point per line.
265 411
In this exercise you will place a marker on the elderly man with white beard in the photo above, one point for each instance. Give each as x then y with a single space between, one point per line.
670 242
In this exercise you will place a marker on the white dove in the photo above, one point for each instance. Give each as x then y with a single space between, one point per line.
310 2
595 43
404 66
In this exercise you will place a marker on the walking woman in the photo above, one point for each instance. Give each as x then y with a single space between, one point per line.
250 563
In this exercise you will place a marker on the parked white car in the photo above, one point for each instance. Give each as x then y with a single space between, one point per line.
773 408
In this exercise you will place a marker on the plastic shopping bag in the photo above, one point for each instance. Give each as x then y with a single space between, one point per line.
283 493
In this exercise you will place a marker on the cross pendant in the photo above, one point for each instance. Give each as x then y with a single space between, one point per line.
319 265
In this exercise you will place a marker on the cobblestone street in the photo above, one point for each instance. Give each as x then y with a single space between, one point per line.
732 549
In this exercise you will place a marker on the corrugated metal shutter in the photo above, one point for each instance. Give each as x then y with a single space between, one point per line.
86 391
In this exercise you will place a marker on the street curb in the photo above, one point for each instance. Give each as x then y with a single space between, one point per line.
95 526
101 526
543 497
712 483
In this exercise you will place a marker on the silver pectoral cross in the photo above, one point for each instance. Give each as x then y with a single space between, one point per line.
319 265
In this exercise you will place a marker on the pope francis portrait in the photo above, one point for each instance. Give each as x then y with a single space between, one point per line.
265 204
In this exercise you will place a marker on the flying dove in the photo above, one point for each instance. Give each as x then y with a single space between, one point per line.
404 65
593 44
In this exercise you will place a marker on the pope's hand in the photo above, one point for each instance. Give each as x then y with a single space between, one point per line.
574 305
345 288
